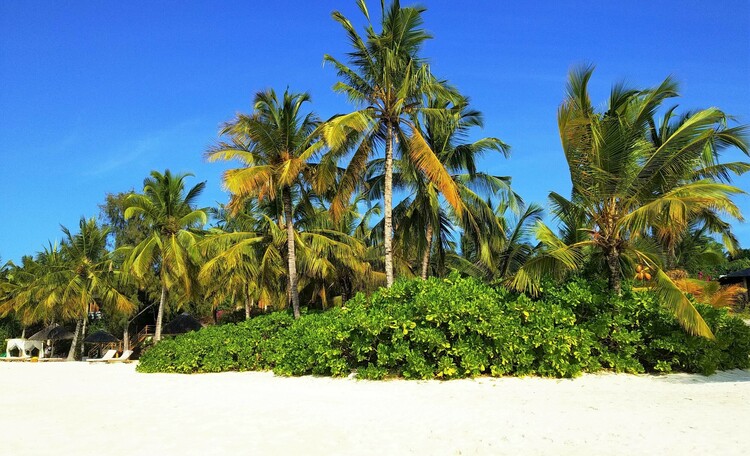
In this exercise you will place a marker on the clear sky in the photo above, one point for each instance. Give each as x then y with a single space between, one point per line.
94 95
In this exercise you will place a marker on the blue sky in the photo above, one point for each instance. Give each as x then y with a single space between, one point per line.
94 95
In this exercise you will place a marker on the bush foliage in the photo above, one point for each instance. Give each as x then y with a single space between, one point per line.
460 327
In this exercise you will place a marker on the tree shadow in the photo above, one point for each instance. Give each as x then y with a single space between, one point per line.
730 376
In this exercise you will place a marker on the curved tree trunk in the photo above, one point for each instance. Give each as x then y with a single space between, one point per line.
428 249
291 253
74 343
615 271
388 205
160 313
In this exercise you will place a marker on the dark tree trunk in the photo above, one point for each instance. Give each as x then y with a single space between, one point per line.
248 306
291 253
615 271
426 256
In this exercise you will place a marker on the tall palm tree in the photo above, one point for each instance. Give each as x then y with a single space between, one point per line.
625 183
387 80
171 245
275 144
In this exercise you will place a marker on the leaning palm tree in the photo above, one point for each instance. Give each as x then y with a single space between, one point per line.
387 80
625 183
275 145
171 246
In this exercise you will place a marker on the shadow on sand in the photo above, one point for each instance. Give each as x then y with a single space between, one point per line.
731 376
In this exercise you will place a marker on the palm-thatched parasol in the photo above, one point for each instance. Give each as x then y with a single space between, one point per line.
52 332
101 337
181 324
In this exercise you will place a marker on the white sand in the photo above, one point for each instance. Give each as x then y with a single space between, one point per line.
85 409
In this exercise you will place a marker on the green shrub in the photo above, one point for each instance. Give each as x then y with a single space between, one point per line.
460 327
635 334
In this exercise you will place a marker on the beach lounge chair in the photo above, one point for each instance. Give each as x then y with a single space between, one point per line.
125 357
107 356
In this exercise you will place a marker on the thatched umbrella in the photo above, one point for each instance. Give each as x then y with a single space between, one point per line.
101 337
181 324
52 332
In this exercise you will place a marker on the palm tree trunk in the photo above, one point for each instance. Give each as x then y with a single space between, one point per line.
160 313
388 205
83 331
23 333
125 339
248 306
74 343
615 271
426 256
291 253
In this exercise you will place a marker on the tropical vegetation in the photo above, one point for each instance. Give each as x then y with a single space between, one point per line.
374 241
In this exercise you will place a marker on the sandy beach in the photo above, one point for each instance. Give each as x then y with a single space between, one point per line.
86 409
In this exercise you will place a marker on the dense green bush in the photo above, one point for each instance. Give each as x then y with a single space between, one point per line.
459 327
9 328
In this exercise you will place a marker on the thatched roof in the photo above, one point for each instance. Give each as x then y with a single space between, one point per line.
100 337
735 276
181 324
52 332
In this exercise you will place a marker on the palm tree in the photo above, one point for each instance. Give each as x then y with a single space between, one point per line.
233 252
65 280
625 183
20 291
86 278
334 252
275 144
171 245
507 249
387 80
446 126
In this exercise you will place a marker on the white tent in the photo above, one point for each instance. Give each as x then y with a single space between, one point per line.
25 347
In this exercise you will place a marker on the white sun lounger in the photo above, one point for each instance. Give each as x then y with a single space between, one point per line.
107 356
125 357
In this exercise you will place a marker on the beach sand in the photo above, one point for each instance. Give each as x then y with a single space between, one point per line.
94 409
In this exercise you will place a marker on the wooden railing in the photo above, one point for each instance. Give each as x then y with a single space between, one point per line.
141 335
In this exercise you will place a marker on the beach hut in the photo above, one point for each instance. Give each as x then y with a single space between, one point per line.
53 332
25 348
102 340
741 277
181 324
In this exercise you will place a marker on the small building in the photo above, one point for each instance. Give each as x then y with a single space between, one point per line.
741 277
